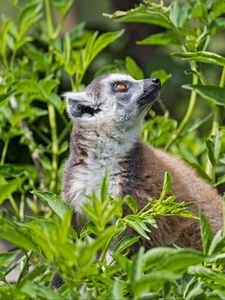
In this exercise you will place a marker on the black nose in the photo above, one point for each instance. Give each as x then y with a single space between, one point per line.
156 81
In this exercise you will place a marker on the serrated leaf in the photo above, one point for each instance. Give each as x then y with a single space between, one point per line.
140 15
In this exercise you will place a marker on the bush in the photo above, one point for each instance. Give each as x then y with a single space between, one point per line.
35 60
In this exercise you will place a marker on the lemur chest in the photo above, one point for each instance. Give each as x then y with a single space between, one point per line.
87 179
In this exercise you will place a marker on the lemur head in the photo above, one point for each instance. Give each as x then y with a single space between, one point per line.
113 99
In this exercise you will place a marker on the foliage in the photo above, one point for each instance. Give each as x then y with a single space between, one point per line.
189 29
35 59
52 245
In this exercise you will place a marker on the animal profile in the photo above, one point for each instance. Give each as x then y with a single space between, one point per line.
109 116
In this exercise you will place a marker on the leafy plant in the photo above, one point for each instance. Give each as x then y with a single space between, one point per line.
37 63
190 29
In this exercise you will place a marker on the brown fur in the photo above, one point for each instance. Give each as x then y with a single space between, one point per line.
143 173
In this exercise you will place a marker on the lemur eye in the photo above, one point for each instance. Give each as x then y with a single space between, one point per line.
120 86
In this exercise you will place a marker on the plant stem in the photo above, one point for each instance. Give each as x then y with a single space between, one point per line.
55 146
49 18
4 151
217 120
187 116
13 203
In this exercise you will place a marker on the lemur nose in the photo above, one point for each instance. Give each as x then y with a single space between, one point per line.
156 81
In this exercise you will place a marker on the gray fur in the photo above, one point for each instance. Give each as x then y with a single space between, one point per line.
109 137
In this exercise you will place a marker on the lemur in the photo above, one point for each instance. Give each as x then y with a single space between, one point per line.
109 116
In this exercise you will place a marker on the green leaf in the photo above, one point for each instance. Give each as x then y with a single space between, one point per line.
104 188
136 271
3 36
206 233
7 188
162 38
208 274
202 56
10 170
117 291
167 185
8 257
136 223
133 69
217 244
30 14
103 41
162 75
62 5
220 180
153 281
18 238
174 12
131 203
201 171
218 9
35 291
125 243
4 98
180 260
215 95
156 256
140 15
37 271
210 149
54 202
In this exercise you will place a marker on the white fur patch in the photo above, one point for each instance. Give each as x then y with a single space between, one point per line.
104 152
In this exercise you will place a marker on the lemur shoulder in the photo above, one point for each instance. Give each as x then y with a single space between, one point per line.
109 115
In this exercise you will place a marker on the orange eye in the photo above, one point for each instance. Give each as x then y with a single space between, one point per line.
120 86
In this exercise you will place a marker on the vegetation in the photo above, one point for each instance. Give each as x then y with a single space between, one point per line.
35 59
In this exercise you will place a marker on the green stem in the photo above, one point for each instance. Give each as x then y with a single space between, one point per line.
49 18
13 203
4 151
187 116
55 146
217 120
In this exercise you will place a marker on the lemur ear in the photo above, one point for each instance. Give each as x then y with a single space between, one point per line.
73 103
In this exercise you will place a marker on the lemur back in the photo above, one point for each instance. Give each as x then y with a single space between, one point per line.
107 135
